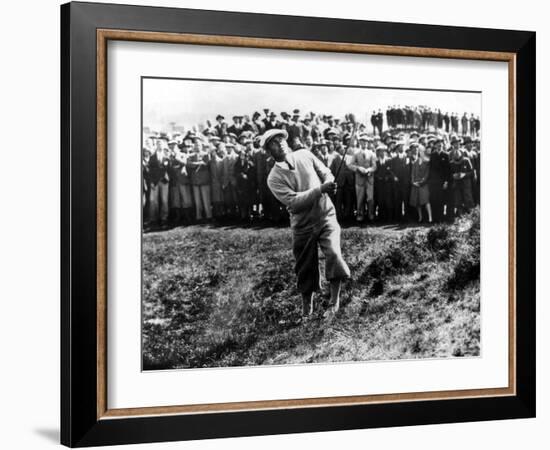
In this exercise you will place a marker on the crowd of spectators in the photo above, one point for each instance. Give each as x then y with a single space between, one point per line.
409 164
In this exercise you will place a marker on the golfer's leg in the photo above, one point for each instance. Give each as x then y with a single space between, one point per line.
307 304
336 268
335 286
306 266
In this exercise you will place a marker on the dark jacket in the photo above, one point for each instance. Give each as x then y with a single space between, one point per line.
198 168
158 169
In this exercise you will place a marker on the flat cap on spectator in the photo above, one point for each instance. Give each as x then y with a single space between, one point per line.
220 117
270 134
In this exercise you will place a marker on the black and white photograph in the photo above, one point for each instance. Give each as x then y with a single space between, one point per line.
303 223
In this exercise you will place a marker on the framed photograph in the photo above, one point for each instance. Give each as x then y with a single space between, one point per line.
276 224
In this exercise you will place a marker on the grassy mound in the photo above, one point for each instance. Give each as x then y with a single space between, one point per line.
227 297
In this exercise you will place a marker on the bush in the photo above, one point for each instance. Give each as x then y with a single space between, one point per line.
465 271
404 256
440 241
467 267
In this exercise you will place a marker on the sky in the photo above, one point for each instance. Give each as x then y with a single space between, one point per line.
190 102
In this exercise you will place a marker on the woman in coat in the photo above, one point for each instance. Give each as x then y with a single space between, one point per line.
420 171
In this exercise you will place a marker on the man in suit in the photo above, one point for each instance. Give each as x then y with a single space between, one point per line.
198 168
438 180
221 127
461 176
363 163
270 122
295 130
229 180
159 184
303 184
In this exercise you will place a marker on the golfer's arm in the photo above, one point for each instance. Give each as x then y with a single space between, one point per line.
294 201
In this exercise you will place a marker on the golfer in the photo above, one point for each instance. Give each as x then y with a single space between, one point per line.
303 184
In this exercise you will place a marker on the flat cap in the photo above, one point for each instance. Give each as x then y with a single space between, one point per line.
270 134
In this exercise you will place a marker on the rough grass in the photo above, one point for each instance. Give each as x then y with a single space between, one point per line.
227 297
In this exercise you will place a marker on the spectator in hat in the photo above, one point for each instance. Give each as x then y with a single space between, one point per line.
246 186
159 179
402 171
380 122
173 168
229 183
477 170
307 128
295 129
420 171
217 155
184 185
271 122
221 127
446 121
438 180
461 170
384 180
258 123
302 183
284 121
374 122
464 122
316 150
236 127
145 157
198 168
309 144
363 163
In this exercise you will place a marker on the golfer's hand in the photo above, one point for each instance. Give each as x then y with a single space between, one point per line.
329 187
